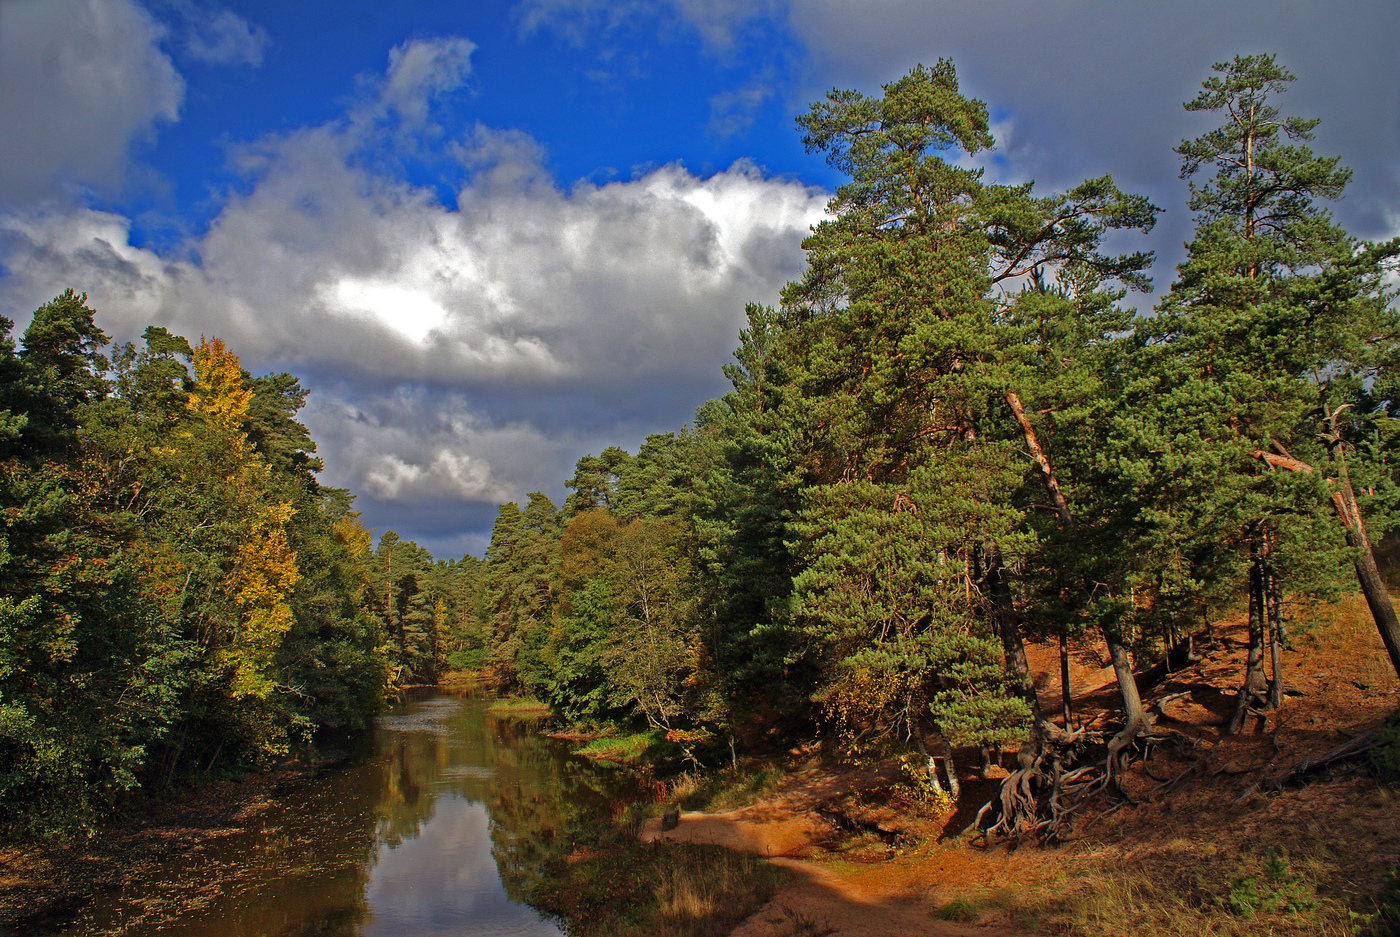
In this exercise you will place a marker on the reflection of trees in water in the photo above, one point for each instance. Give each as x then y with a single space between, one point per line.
302 869
542 803
411 764
539 798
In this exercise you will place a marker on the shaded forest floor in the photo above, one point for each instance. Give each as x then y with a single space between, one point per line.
1211 854
41 883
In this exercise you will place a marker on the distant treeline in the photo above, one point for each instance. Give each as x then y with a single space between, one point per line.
179 596
952 435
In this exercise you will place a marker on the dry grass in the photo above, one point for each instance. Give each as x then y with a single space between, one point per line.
1212 856
627 889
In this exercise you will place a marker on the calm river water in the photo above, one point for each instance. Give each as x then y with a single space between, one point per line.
438 832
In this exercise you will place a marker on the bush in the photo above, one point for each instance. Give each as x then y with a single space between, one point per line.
1276 891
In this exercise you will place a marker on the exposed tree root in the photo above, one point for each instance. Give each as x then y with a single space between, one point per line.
1070 770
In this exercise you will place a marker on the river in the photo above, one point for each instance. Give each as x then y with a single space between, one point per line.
438 831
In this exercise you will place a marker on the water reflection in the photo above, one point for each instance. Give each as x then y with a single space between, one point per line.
442 831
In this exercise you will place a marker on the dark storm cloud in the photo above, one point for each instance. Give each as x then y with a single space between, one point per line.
1083 88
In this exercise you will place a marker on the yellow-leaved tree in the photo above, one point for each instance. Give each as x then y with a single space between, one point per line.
265 570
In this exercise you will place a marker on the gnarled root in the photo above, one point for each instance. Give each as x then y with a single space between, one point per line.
1067 771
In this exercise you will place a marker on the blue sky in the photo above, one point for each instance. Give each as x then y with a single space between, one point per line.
608 105
493 237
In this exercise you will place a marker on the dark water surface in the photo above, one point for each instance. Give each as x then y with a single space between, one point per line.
439 832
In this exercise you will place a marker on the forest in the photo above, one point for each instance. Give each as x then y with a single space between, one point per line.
953 435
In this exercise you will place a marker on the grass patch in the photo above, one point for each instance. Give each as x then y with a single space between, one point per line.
519 707
624 749
458 679
724 790
650 890
1106 902
960 909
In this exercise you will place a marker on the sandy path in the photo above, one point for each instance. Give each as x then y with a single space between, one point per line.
823 902
748 830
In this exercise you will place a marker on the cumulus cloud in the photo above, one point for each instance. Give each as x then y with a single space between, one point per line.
414 445
221 37
80 82
424 69
1091 87
468 351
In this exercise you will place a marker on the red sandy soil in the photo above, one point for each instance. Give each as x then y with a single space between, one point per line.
843 832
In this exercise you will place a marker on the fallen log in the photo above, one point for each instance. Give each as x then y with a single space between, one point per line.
1355 748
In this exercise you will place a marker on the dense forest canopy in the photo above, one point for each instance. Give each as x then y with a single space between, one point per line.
951 436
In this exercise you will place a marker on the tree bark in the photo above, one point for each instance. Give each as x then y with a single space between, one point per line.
1009 630
1368 575
1122 667
1066 697
951 770
1127 685
1004 613
1274 623
1255 686
1047 475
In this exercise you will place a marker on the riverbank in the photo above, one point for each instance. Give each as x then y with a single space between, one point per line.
1213 852
42 883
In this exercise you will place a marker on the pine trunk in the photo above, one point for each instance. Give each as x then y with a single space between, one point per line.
1134 713
1273 592
1368 575
1255 682
1066 697
1013 646
1122 665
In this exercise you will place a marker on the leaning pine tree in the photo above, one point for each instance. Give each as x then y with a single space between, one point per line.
1270 355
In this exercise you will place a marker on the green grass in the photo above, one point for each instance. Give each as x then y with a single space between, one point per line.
624 749
519 708
960 909
725 790
469 679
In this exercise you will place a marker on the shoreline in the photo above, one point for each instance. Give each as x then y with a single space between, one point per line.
44 883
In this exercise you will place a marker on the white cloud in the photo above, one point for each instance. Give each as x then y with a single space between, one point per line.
719 22
411 445
618 302
222 37
422 69
80 82
734 111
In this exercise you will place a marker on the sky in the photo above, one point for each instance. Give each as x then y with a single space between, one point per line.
493 237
